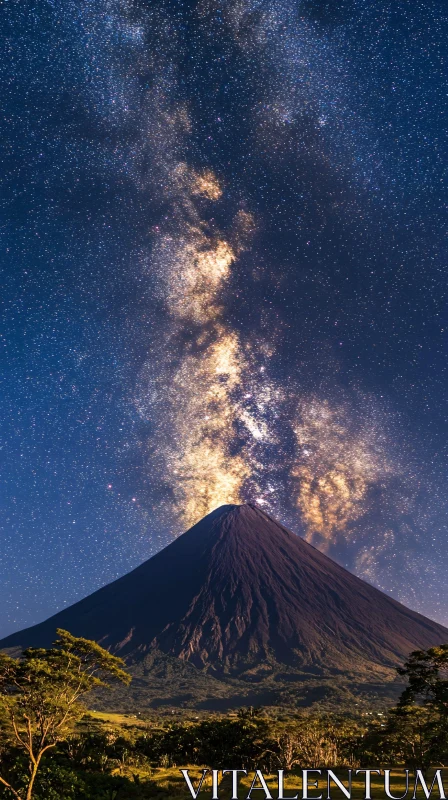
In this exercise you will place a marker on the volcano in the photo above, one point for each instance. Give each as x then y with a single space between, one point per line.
238 591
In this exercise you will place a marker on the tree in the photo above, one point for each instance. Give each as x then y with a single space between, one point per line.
405 737
420 722
427 674
41 692
286 749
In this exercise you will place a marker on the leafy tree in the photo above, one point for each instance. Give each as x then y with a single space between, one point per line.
427 674
250 712
40 693
404 737
240 742
89 750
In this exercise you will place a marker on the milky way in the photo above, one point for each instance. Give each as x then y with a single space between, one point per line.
225 283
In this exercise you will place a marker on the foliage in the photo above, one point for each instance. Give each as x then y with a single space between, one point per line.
416 730
405 738
239 741
427 674
59 781
41 693
125 759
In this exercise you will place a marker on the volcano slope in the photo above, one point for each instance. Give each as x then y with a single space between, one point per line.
240 610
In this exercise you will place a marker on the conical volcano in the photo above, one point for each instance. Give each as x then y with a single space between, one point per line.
239 590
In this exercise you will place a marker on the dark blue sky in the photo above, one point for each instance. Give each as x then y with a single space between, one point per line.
141 137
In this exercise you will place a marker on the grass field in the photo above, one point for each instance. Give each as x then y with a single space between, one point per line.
170 783
117 720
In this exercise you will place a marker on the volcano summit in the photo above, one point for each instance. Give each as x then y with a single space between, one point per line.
241 598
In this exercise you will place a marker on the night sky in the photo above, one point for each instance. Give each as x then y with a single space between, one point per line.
224 280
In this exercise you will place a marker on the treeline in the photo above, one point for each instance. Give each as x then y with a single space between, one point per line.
50 749
414 736
97 763
409 736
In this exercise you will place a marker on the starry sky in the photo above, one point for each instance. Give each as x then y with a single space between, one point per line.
223 239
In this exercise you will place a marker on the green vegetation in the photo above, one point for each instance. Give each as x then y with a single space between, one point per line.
41 693
104 756
162 683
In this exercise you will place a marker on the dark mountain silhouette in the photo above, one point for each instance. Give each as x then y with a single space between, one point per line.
239 592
